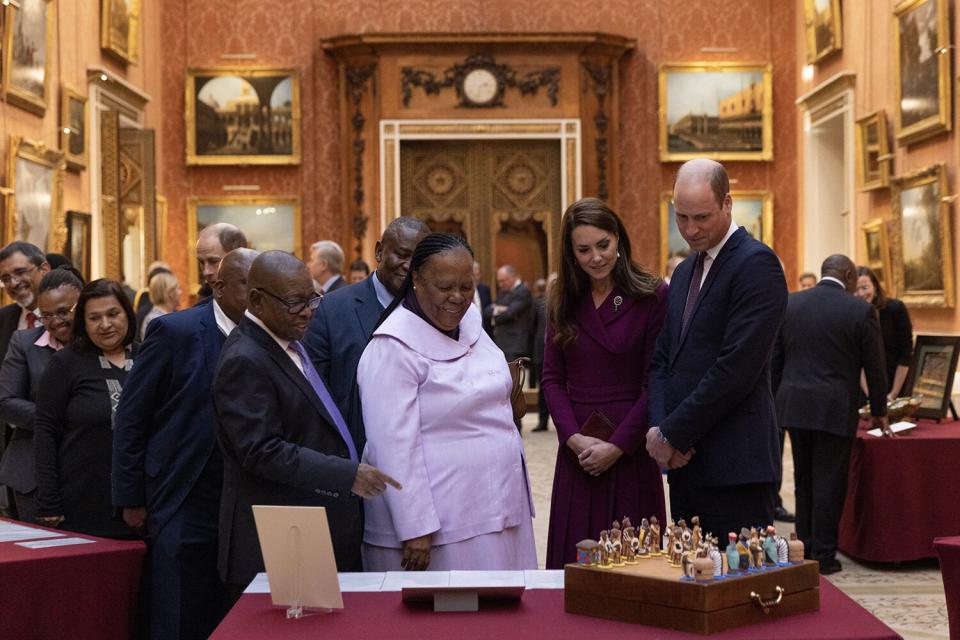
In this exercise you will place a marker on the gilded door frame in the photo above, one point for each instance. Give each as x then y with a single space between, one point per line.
567 131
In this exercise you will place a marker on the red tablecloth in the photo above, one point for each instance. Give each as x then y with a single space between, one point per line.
901 493
539 614
85 591
948 549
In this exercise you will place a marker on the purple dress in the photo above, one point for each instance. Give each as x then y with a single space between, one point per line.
604 369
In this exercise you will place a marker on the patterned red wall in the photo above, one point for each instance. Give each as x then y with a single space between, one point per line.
288 34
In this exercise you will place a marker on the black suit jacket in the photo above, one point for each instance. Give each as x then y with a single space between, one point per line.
483 291
511 329
339 283
9 319
335 340
280 447
710 387
828 336
19 382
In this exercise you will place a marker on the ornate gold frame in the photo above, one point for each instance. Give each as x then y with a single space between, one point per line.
14 95
38 153
939 298
161 229
766 218
766 153
879 120
193 272
132 54
836 29
74 162
878 226
941 122
190 117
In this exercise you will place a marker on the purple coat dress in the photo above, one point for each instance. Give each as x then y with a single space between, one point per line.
604 369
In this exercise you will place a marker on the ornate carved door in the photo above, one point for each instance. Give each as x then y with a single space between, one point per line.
502 196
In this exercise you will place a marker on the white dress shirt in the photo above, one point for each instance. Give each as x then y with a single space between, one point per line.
384 297
283 344
714 251
224 323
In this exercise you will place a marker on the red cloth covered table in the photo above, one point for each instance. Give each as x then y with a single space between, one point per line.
539 614
948 549
901 493
85 591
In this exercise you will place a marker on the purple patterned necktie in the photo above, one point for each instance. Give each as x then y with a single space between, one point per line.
321 389
693 292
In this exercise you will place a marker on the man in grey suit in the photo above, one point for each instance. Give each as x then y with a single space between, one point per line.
510 314
342 325
828 336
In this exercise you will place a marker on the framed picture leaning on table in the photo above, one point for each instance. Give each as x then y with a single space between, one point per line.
931 373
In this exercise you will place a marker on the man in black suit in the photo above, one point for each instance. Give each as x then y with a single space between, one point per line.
283 438
482 298
510 314
167 469
22 266
827 337
326 266
342 325
214 242
711 409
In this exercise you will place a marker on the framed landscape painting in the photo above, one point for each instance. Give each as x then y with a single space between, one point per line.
752 210
120 29
243 116
921 45
73 128
36 176
824 28
717 110
27 42
877 253
932 372
923 264
873 152
269 222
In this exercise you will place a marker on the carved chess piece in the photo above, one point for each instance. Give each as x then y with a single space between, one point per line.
733 554
795 546
695 532
655 536
770 546
604 548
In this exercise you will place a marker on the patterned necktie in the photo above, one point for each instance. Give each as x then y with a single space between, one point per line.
693 292
31 320
321 389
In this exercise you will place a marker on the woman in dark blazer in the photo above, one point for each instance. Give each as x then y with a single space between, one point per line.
78 396
27 356
896 329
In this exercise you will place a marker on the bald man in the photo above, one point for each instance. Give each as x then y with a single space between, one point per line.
214 242
167 469
284 440
711 410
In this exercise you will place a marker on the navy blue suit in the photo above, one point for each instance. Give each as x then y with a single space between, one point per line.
335 340
165 457
710 388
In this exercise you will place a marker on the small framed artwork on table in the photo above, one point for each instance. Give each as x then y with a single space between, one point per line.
931 374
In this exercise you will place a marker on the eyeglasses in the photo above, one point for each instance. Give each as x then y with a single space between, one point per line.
18 275
62 314
293 308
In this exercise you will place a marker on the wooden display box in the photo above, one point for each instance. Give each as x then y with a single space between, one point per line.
652 593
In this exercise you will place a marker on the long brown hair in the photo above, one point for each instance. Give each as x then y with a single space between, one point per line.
879 297
573 283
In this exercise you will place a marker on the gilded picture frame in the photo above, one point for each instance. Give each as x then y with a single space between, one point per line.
161 227
27 44
873 152
719 110
921 46
751 209
79 244
73 128
824 27
923 259
876 253
243 116
120 29
34 204
252 214
931 373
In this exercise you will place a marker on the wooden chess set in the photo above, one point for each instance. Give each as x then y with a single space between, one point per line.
679 579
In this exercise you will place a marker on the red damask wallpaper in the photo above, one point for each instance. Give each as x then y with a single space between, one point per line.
288 34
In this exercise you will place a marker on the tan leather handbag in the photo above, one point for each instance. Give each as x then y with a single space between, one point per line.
518 374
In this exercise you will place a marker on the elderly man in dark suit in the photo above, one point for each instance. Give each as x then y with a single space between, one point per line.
284 440
827 338
167 469
711 409
342 325
510 314
482 298
22 266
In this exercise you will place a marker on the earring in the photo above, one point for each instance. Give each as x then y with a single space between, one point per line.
618 254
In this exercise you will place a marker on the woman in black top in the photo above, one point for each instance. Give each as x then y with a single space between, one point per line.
894 325
73 429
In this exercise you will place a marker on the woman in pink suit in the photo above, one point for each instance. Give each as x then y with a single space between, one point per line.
605 313
435 392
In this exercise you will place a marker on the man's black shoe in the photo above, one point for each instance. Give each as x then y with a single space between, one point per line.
783 515
830 566
541 427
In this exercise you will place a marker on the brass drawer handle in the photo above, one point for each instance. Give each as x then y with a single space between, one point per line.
766 604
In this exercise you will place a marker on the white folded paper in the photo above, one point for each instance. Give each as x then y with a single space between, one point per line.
57 542
540 579
12 532
896 428
360 582
397 580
